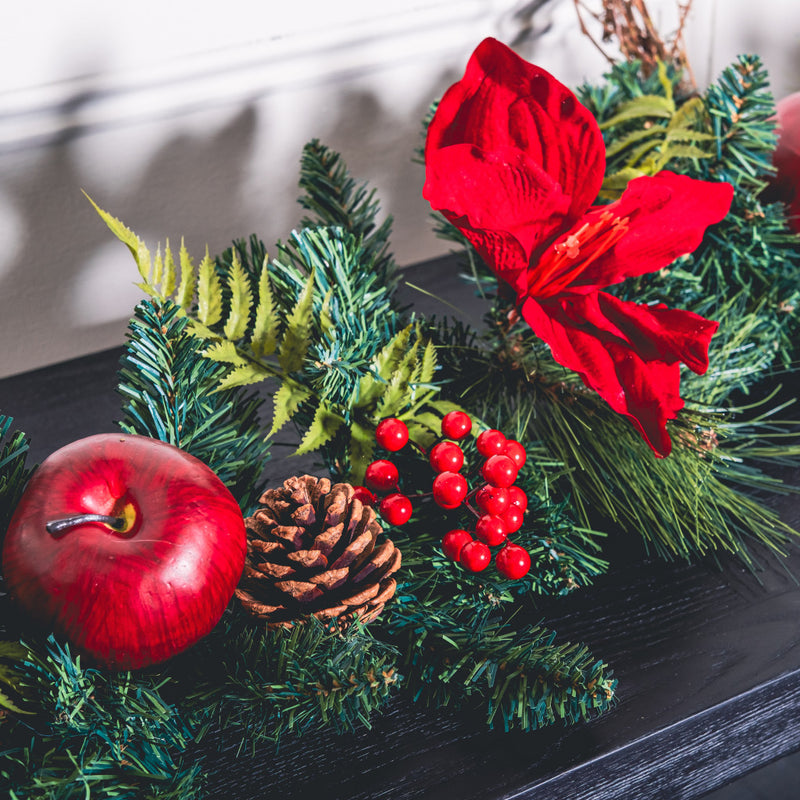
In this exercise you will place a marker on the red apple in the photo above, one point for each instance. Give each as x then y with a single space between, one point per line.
127 547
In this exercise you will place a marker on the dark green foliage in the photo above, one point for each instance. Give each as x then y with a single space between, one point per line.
170 394
524 679
14 473
288 680
337 200
96 734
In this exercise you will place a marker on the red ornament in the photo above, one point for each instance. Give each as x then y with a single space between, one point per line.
516 452
513 561
514 161
446 457
513 518
516 497
381 475
490 443
475 556
785 186
392 434
449 489
364 495
492 499
499 471
453 541
127 547
491 529
456 425
396 509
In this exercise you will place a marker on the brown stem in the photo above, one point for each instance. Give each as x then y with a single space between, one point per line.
58 526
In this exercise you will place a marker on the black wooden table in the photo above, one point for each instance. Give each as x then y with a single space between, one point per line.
708 660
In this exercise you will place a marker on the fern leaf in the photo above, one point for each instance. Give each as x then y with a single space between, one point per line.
297 336
185 293
362 446
241 301
264 338
428 366
169 280
322 429
243 375
648 105
137 247
226 352
286 401
209 293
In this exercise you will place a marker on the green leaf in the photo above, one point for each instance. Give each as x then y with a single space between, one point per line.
326 323
12 678
428 368
362 446
185 293
209 293
265 331
286 401
226 352
297 336
322 429
241 301
243 376
647 105
169 281
137 247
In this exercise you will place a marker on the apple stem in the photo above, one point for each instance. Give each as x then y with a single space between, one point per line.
57 526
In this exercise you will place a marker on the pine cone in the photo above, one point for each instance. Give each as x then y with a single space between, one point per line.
311 551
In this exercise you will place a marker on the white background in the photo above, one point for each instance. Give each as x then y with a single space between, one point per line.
185 121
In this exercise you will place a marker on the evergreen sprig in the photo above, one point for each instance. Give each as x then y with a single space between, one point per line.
14 472
96 734
524 678
169 392
288 680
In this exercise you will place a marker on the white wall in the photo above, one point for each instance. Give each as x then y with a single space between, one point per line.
189 122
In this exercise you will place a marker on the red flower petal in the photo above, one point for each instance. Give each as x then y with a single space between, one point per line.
502 202
667 216
628 353
506 113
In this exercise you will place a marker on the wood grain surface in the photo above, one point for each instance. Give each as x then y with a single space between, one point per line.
708 660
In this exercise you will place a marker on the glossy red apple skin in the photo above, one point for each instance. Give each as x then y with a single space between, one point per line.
126 600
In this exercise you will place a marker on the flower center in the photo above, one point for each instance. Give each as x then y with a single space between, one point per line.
566 260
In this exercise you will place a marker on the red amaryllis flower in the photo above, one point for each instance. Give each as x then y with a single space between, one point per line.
786 158
515 161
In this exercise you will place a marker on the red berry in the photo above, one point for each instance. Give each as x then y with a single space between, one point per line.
453 541
513 561
381 475
475 556
490 443
449 489
492 499
516 497
491 529
392 434
499 471
456 425
516 452
364 495
396 509
446 457
513 517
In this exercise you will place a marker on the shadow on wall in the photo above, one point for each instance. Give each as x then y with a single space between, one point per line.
206 172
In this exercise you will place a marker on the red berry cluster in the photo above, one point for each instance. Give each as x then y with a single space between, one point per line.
500 504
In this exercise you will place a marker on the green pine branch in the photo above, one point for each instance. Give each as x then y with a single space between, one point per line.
285 681
523 677
96 734
14 473
169 394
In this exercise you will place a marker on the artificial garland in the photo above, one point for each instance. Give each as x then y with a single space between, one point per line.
320 324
